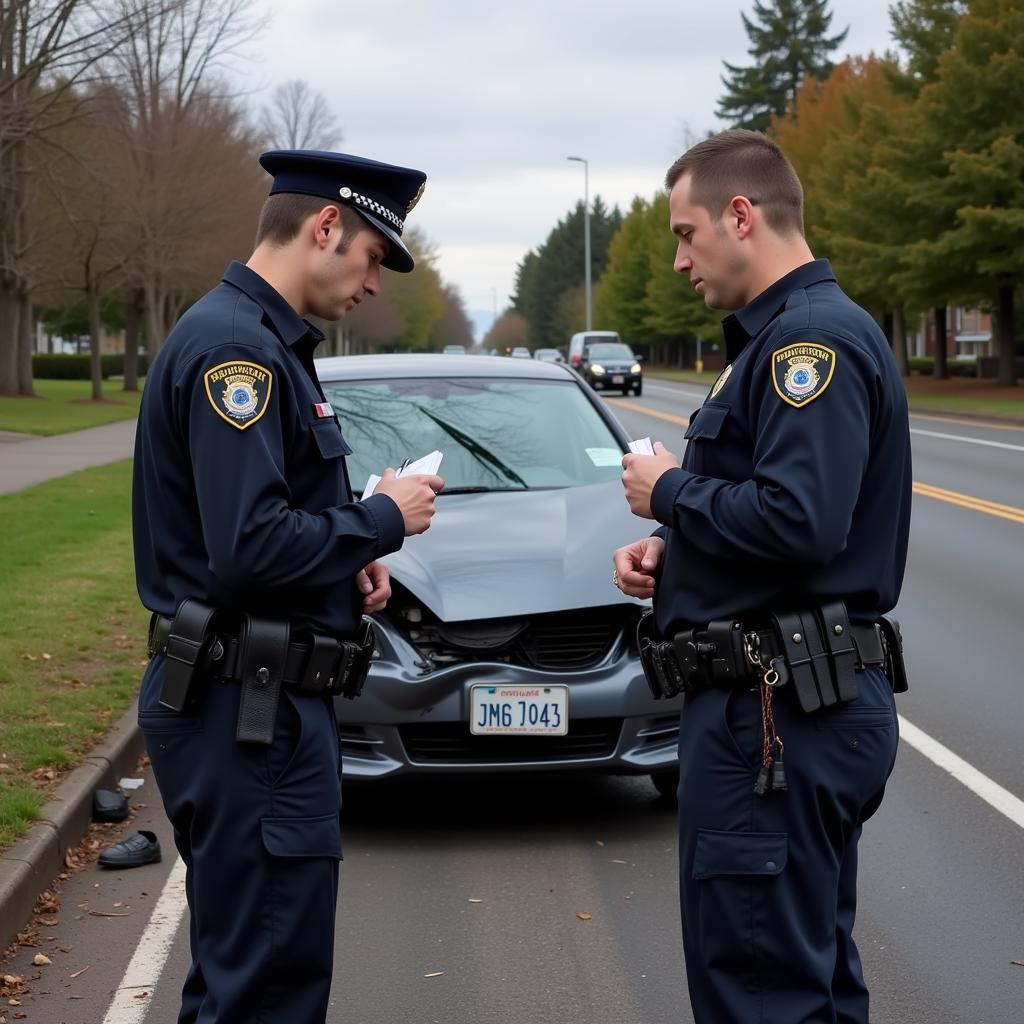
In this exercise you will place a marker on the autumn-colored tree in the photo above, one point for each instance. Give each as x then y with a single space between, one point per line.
453 326
508 331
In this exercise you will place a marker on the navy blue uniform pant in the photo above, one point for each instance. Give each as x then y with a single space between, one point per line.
768 884
259 831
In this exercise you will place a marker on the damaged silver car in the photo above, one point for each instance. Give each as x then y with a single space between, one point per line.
505 646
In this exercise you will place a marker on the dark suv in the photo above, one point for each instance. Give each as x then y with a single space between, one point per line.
611 365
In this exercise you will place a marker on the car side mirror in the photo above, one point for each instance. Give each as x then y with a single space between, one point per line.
640 359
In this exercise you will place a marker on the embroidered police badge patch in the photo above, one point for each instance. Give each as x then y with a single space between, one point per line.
802 372
239 392
720 383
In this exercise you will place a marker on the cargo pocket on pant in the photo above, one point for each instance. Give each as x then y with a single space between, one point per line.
735 874
303 837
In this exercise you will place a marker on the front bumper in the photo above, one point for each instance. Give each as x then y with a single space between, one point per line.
411 722
604 381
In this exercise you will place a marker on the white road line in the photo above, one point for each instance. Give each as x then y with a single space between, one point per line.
981 785
968 440
153 950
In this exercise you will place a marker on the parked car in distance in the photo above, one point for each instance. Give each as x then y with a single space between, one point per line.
549 355
521 352
504 647
578 341
454 350
611 366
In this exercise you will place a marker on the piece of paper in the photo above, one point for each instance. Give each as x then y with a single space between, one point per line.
641 446
605 456
427 466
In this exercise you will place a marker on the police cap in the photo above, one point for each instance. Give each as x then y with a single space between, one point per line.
383 194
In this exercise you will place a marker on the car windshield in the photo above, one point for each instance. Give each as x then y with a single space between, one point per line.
609 352
495 433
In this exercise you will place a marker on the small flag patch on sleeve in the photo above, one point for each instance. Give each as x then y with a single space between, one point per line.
323 410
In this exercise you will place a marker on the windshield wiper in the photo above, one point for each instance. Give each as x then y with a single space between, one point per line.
475 448
477 490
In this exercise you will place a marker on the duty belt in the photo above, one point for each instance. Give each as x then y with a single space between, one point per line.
733 654
322 666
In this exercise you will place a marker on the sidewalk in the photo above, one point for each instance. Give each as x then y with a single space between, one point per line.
26 460
31 864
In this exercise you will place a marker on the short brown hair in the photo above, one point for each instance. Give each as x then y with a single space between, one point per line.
739 162
284 214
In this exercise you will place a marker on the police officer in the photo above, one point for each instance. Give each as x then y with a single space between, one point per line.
258 566
793 497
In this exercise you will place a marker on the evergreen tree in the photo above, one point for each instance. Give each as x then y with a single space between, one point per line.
977 200
788 40
621 303
544 276
924 30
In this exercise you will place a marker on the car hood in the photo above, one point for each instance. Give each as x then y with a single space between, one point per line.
519 552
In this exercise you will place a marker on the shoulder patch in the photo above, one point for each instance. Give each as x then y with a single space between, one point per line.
722 378
802 372
239 391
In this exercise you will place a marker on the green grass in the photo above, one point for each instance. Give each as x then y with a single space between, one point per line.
65 405
1000 407
664 373
72 647
956 395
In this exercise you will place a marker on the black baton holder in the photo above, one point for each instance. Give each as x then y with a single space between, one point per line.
187 655
892 642
262 655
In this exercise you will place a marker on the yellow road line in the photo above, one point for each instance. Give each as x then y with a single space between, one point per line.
992 508
646 410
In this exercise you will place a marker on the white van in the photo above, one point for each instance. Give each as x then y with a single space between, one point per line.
577 342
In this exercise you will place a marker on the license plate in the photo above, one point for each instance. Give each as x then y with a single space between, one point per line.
519 710
618 380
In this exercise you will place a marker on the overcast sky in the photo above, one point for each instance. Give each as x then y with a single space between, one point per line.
490 99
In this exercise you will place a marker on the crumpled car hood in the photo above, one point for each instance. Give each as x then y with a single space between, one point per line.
520 552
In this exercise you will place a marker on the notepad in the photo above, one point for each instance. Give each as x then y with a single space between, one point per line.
427 466
642 446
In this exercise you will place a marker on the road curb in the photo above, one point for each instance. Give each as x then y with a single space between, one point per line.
31 864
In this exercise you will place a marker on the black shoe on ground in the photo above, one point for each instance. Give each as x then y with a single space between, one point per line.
136 850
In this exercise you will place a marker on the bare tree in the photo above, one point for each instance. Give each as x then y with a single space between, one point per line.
48 49
172 68
90 245
298 117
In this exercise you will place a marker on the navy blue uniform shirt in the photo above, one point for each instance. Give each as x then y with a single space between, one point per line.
796 483
241 497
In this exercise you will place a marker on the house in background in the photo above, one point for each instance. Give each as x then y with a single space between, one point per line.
968 334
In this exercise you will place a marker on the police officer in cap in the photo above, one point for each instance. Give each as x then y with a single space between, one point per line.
259 567
782 541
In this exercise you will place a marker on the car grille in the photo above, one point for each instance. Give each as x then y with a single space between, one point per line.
434 742
560 641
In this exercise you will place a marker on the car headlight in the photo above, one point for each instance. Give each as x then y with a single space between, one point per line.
597 369
636 368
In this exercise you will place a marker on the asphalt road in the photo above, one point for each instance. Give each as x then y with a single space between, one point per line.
460 898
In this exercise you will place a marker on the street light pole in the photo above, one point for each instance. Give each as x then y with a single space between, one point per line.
586 233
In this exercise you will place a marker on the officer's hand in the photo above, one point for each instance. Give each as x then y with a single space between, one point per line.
634 564
374 583
642 472
414 496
